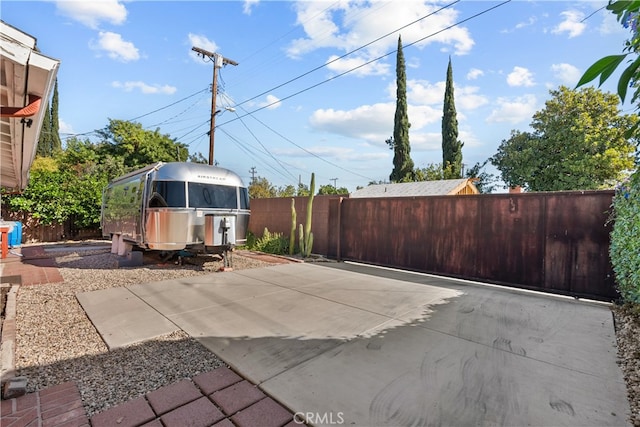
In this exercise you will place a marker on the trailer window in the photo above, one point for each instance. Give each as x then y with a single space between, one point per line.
212 196
244 198
167 194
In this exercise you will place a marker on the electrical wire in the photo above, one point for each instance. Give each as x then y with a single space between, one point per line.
265 148
239 117
170 105
349 53
255 155
593 13
361 65
75 135
305 150
310 152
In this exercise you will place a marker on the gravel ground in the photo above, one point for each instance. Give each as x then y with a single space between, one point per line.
627 321
56 342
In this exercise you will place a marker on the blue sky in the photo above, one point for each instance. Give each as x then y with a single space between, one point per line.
301 105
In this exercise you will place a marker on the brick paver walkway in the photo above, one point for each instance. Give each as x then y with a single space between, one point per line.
34 266
216 398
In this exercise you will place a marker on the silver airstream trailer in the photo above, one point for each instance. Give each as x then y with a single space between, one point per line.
177 206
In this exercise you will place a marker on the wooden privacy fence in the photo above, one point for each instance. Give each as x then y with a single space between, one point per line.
33 231
555 242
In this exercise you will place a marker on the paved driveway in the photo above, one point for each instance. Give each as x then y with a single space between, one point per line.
356 345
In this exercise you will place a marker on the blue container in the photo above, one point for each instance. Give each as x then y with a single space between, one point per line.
15 234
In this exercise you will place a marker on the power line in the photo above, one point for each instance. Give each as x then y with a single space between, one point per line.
305 150
167 106
144 115
265 148
309 152
251 154
347 54
239 117
593 13
361 65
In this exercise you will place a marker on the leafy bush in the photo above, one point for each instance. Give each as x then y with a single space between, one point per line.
625 238
271 243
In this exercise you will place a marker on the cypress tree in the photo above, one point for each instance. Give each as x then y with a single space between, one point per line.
44 141
402 163
56 143
451 146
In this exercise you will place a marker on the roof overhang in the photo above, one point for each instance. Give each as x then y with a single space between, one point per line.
26 82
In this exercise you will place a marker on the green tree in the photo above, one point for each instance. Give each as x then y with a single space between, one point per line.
330 189
431 172
434 172
139 147
451 145
485 182
287 191
303 190
578 143
48 194
261 188
402 163
45 145
56 143
197 158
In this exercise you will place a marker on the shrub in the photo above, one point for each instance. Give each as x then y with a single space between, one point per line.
271 243
625 238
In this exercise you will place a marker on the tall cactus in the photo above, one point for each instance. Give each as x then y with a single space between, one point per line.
292 235
306 238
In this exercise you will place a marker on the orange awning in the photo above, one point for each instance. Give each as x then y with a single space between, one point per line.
28 111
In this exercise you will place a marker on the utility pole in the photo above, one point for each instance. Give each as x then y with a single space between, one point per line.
218 62
253 172
335 181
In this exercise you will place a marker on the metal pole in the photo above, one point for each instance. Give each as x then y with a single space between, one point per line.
214 90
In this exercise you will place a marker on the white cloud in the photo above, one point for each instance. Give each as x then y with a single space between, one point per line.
420 92
572 24
474 73
248 6
425 141
347 26
201 41
520 76
144 87
520 25
91 13
65 128
271 102
115 47
372 123
336 153
513 110
468 98
566 73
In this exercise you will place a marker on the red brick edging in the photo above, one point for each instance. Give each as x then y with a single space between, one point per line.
219 397
55 406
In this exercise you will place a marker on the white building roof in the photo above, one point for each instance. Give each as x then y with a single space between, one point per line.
27 81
